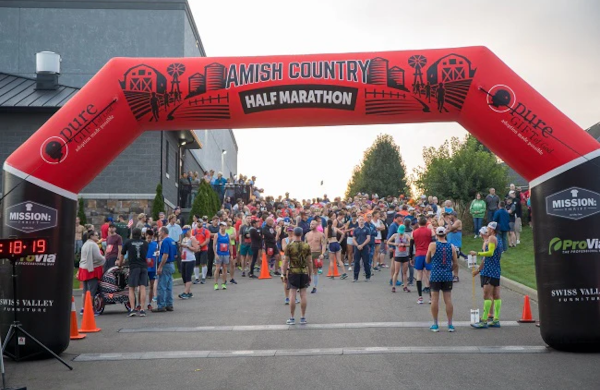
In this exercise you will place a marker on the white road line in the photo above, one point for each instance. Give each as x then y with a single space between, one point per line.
253 328
511 349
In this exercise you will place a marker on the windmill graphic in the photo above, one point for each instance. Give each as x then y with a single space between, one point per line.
175 70
417 62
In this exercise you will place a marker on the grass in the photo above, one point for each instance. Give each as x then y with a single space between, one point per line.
517 263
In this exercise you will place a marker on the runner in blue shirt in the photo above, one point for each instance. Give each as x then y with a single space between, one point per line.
152 259
442 256
165 270
361 241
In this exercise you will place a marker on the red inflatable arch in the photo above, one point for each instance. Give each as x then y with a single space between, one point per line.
468 85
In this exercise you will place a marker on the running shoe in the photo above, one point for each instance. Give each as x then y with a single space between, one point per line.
391 281
375 268
196 281
133 313
203 281
291 321
367 279
287 301
451 328
169 308
344 276
349 268
277 273
406 289
142 313
314 290
149 307
216 286
480 325
393 289
239 268
81 312
494 324
183 296
434 328
490 319
354 280
346 264
233 281
297 301
303 321
320 271
190 295
224 286
243 274
455 279
253 277
398 283
430 301
420 301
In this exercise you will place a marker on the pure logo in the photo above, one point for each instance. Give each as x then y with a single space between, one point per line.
573 203
29 217
589 245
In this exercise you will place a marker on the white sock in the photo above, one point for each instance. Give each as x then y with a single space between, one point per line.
316 279
196 272
204 271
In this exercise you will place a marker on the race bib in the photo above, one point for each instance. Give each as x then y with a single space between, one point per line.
109 248
183 255
377 241
156 253
270 251
223 247
150 262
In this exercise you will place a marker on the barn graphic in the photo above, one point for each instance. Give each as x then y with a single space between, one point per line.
450 79
152 96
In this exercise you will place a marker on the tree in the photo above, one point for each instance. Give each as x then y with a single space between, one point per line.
81 212
458 170
158 206
206 202
381 171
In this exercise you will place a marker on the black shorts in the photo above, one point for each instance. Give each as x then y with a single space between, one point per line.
489 280
138 277
298 281
201 258
402 259
443 286
187 270
334 247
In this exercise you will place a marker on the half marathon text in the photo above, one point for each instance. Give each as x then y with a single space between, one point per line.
298 96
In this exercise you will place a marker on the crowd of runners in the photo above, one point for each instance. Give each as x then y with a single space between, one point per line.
418 240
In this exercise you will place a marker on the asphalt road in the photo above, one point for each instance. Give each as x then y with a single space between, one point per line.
321 358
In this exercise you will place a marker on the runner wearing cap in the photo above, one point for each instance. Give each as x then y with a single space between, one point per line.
362 238
298 266
490 278
401 243
222 243
189 247
442 256
422 237
269 235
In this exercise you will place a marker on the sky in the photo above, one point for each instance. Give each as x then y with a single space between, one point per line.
554 45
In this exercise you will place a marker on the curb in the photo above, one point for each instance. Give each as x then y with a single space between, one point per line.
77 292
510 284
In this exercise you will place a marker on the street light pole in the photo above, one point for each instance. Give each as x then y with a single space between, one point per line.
223 153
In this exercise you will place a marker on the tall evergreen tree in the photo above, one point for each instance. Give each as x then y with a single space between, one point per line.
81 212
158 205
381 171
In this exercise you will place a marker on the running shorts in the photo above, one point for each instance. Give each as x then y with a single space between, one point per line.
298 281
137 277
518 225
511 226
443 286
222 260
350 241
245 250
420 263
489 280
382 248
151 275
334 247
404 259
187 270
201 258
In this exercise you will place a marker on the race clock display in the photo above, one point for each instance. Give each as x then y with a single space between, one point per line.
23 246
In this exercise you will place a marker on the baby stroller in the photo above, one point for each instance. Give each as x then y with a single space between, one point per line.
113 289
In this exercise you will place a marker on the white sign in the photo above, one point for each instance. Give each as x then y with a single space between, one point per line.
471 261
474 316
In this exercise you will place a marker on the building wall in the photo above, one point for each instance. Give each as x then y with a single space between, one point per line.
210 157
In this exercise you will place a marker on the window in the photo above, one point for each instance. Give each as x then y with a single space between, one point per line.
142 72
453 61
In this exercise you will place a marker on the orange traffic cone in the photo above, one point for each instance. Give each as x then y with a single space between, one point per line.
335 273
526 317
88 325
264 268
75 335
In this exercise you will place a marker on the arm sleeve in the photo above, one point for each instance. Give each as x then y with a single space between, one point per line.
490 251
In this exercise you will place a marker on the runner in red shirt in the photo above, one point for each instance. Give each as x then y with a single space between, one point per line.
421 240
202 235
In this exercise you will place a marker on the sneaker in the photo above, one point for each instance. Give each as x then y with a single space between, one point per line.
239 268
490 319
149 307
291 321
243 274
287 301
303 321
354 280
196 281
216 286
367 279
494 324
277 273
518 242
142 313
320 271
406 289
346 264
344 276
159 310
297 301
233 281
190 295
391 281
480 325
349 268
183 296
420 301
393 289
430 301
375 268
224 286
133 313
398 283
253 277
455 279
314 290
434 328
203 281
451 328
169 308
81 312
475 236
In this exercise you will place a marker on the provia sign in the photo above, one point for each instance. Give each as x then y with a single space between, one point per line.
574 203
29 217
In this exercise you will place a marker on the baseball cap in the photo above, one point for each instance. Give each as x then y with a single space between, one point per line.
298 231
401 229
511 192
483 230
279 220
440 231
222 223
111 225
492 225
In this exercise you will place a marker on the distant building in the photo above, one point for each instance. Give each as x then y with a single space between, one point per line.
594 131
157 28
377 74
